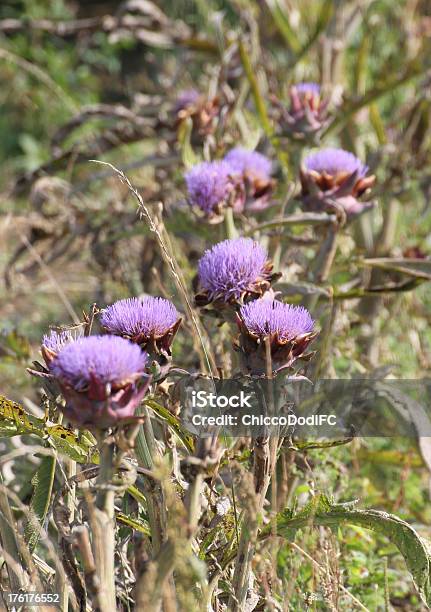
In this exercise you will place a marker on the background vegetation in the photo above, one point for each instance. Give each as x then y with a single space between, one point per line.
104 89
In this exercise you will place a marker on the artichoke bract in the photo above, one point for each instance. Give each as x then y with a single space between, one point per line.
308 112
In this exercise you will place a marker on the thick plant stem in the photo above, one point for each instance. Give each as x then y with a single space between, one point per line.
104 540
265 457
369 306
325 256
146 452
323 264
250 526
61 584
231 231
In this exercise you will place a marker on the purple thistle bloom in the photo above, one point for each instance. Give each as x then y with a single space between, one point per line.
209 185
143 321
55 341
335 162
102 379
104 360
244 161
264 318
308 88
335 180
288 329
232 267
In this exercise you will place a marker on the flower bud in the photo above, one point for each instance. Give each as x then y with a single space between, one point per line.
202 111
307 114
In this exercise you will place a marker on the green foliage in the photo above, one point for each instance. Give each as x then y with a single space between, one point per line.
322 511
15 421
43 482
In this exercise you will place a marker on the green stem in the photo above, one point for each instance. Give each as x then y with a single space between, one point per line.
231 231
323 264
265 457
146 453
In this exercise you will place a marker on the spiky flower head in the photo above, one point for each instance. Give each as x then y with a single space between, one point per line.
266 318
308 111
212 186
335 162
233 271
151 322
249 162
99 377
53 342
333 180
288 330
254 170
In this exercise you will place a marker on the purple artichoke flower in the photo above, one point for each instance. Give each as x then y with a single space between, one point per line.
150 322
245 161
307 115
288 329
99 377
255 172
233 271
212 186
334 180
53 342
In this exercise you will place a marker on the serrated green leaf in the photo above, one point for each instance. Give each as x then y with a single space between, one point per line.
68 443
323 511
15 421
